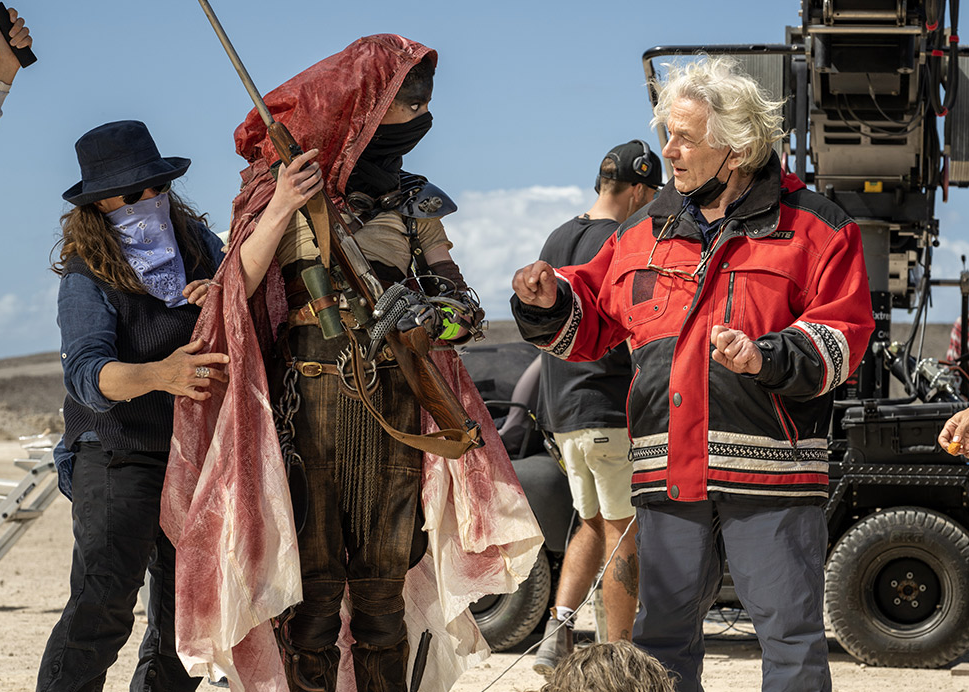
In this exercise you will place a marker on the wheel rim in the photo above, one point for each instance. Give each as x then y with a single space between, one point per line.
483 604
906 592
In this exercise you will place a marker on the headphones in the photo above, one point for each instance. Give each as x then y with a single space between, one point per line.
642 166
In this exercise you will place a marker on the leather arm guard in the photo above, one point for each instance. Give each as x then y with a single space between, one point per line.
469 314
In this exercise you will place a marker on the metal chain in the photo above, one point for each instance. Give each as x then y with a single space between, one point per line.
283 412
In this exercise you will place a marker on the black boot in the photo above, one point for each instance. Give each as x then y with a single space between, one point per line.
381 669
312 671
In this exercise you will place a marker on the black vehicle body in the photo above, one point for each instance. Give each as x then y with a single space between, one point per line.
506 619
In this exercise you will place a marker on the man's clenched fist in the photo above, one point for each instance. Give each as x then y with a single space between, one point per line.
535 284
735 351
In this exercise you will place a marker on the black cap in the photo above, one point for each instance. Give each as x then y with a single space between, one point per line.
635 163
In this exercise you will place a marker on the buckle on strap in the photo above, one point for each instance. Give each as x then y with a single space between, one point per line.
306 315
344 365
310 368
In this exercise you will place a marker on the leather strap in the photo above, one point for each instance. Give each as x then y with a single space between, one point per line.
450 443
309 368
312 368
306 315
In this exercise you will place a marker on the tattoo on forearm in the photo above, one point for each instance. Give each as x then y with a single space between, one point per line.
626 572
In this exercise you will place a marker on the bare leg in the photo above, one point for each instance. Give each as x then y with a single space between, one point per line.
621 582
583 558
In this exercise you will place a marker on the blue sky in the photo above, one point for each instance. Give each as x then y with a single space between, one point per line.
528 97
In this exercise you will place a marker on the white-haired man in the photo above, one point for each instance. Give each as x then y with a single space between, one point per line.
745 301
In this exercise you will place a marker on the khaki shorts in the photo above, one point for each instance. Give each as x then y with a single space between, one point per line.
600 473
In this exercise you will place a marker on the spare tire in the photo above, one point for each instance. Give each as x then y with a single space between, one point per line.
506 619
897 589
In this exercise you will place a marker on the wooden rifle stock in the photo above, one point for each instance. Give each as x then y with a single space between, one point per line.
410 349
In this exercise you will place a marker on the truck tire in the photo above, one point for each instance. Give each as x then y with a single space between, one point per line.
897 589
506 619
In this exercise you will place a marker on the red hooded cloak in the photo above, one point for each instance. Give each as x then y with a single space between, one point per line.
226 504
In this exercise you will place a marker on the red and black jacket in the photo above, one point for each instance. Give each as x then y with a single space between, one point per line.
788 269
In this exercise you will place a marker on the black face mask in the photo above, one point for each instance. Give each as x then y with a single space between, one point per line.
378 170
708 193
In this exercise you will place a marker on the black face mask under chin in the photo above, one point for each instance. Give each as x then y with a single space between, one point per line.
707 194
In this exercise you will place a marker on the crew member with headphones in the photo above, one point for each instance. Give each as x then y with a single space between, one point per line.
583 405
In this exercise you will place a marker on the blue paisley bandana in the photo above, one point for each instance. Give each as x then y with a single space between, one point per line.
148 242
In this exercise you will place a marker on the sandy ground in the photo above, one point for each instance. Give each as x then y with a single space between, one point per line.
34 582
34 588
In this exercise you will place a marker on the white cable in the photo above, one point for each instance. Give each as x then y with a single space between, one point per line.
592 592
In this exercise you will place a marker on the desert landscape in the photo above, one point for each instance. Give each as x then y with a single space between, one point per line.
34 584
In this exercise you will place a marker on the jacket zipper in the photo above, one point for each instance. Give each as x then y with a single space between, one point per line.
629 393
705 256
786 423
729 310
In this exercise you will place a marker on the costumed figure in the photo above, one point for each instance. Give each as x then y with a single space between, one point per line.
360 511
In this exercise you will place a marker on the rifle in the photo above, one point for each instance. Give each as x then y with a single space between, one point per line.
458 433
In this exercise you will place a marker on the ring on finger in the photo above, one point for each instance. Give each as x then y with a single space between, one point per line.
202 372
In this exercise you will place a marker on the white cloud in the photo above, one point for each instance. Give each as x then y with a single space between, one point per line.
28 321
497 232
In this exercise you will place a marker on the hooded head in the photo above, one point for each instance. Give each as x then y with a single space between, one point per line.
336 105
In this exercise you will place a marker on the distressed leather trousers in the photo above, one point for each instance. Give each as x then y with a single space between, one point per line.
346 548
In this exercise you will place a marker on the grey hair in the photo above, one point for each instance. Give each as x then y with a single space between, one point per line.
741 114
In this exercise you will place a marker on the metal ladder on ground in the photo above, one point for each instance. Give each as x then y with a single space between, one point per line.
23 502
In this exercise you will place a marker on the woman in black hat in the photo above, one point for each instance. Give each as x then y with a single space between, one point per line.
135 263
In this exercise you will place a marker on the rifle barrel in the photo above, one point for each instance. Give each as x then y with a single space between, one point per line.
237 63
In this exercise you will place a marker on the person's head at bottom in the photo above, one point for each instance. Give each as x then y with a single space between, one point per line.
610 667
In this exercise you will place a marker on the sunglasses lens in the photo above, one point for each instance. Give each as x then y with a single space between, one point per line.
135 197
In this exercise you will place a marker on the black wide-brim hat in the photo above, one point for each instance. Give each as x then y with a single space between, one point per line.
120 158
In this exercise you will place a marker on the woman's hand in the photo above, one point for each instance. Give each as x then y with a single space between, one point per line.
189 373
186 372
296 184
952 437
196 291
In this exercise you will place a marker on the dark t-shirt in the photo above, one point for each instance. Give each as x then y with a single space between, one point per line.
574 396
